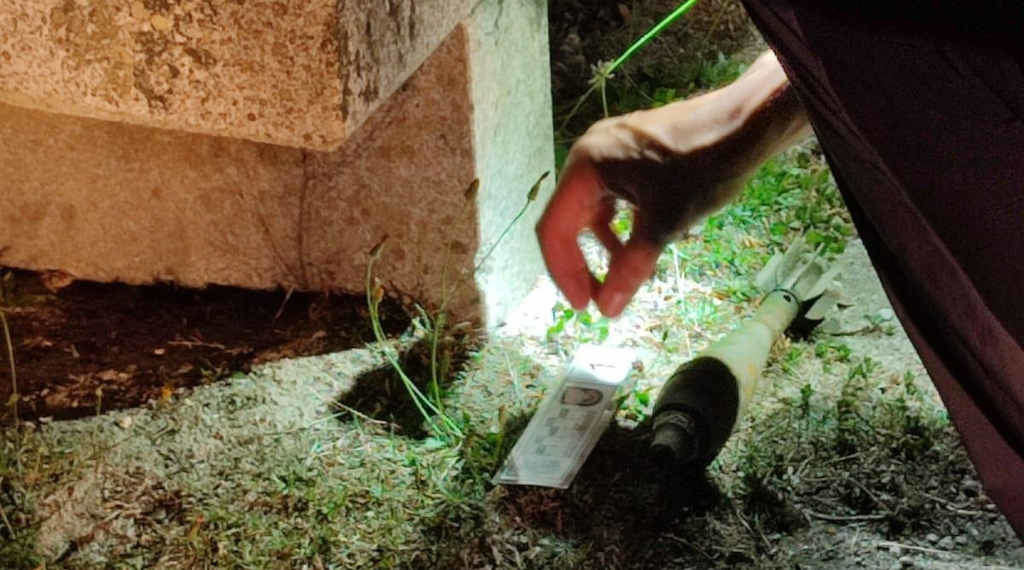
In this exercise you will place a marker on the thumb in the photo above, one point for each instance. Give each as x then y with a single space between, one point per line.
630 266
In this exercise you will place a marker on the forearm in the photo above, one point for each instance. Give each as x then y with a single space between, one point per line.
675 164
751 119
768 113
682 162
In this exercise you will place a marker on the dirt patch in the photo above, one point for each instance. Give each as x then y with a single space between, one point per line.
89 346
121 510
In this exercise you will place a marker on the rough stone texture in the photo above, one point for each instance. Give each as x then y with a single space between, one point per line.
288 72
110 201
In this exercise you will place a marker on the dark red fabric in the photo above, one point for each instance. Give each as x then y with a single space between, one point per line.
922 127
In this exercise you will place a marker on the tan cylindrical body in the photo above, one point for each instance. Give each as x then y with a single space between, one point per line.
745 350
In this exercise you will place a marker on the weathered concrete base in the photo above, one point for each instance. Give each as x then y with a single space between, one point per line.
512 129
110 201
303 73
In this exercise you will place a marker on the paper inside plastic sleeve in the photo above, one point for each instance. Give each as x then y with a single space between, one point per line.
570 420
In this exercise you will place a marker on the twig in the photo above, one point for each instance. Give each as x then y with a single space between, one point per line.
746 525
7 523
888 544
867 491
576 107
847 518
280 309
10 358
958 509
841 459
690 545
515 380
357 413
636 86
194 343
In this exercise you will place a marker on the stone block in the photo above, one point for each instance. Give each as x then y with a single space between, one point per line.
303 73
114 201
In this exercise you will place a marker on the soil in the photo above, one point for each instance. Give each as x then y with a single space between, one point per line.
88 347
82 347
133 345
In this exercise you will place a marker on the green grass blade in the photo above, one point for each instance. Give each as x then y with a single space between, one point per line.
651 34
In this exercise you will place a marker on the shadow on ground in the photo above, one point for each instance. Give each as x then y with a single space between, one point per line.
92 347
382 394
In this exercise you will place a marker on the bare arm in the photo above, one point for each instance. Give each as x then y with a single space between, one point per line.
676 164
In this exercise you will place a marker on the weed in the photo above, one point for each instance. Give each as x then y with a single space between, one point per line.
603 71
580 326
829 351
717 73
850 421
435 323
429 407
637 405
792 357
806 391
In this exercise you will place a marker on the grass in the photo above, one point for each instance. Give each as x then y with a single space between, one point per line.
261 473
434 324
266 471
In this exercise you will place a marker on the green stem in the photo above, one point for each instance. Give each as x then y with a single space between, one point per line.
576 107
651 34
501 237
602 74
378 333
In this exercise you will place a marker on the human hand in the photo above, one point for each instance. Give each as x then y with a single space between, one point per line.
675 164
671 183
581 202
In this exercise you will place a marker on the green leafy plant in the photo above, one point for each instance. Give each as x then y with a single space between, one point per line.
636 405
429 407
849 418
806 391
583 327
604 71
446 428
832 350
713 74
